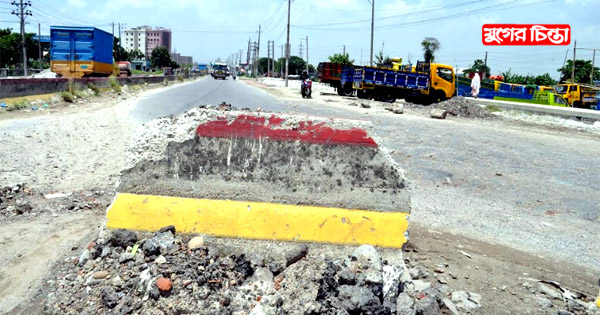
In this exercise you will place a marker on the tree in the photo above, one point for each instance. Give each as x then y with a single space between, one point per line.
545 79
583 69
119 53
263 65
161 58
10 47
430 47
479 66
296 65
136 55
343 58
381 60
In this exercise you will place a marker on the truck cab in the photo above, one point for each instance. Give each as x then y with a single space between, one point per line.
577 95
220 71
443 83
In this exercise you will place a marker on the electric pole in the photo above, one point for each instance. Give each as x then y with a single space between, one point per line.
281 62
113 29
287 46
573 67
592 74
344 50
307 70
248 58
372 27
40 46
301 48
21 13
258 52
485 63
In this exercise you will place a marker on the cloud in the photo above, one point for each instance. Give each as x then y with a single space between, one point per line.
76 3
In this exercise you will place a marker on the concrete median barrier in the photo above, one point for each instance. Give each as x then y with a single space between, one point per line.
263 176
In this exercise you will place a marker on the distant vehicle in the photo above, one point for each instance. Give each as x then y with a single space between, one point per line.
203 69
331 73
220 71
77 52
577 95
424 83
124 68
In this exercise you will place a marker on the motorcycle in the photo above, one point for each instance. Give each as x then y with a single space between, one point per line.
306 88
234 76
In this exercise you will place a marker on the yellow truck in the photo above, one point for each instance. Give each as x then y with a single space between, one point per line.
424 83
577 95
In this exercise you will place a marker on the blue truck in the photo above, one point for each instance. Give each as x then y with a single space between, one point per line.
77 52
424 83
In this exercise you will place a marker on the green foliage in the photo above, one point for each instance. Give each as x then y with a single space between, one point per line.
18 105
479 66
135 55
381 60
94 88
341 58
161 58
11 52
296 65
430 47
114 84
583 69
544 79
180 78
67 96
119 53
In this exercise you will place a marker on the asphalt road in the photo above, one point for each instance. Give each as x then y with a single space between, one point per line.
206 91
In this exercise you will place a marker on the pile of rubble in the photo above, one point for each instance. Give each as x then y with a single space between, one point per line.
124 272
21 200
461 107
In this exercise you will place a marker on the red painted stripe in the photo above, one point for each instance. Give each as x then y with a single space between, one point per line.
253 127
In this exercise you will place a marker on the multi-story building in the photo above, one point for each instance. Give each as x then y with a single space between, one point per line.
182 60
158 37
145 39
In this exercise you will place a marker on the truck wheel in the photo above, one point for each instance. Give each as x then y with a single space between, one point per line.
362 94
348 90
438 96
577 104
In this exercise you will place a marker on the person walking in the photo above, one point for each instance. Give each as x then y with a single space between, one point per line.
475 85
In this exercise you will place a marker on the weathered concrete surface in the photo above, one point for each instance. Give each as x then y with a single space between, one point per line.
168 157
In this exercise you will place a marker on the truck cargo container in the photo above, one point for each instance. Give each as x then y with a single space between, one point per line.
426 83
77 52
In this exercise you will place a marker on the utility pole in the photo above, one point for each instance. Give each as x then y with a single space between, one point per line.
573 68
40 46
258 52
344 50
307 56
592 73
248 58
113 29
485 64
119 34
301 48
566 55
21 13
281 62
372 27
287 46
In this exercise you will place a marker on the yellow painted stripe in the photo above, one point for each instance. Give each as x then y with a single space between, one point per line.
258 220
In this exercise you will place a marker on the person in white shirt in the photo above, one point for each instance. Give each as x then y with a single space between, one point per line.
475 85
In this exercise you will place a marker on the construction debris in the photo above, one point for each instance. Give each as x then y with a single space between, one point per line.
259 278
461 107
438 113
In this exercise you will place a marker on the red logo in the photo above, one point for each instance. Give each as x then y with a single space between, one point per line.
526 34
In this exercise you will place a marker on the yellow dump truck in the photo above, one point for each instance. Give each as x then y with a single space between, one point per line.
577 95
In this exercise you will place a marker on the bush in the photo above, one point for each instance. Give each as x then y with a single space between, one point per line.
180 78
94 88
114 84
67 96
165 82
17 105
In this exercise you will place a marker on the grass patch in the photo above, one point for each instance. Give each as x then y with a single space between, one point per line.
114 84
18 105
140 72
67 96
94 88
493 108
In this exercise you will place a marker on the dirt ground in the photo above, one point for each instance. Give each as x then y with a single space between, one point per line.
77 148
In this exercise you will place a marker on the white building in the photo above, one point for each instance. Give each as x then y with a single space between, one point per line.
135 39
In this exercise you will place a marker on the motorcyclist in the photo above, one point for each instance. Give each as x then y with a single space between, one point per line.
304 75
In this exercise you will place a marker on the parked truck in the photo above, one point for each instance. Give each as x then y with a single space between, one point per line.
424 83
578 95
220 70
331 73
77 52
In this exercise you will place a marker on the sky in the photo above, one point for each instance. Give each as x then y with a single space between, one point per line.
211 29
